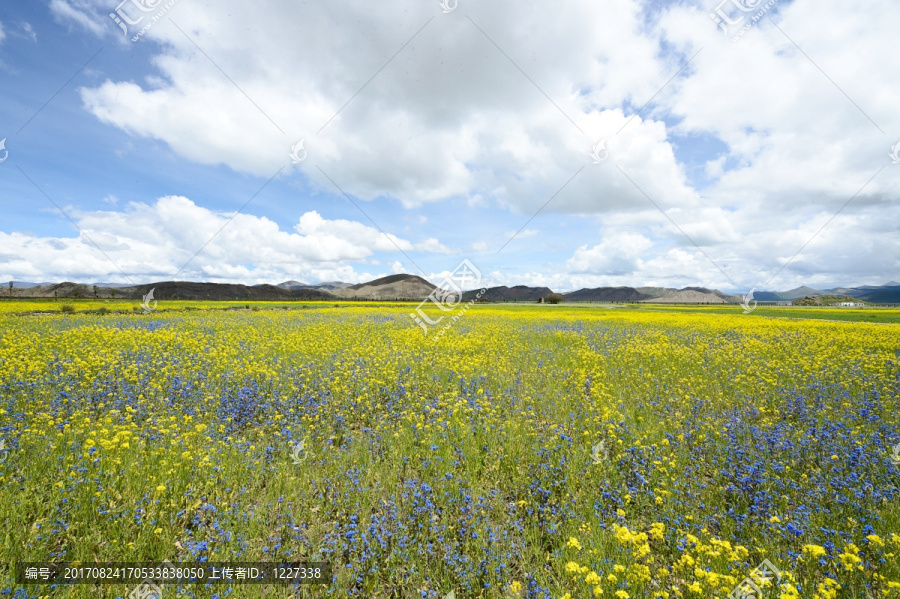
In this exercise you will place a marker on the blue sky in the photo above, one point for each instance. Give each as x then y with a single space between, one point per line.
450 132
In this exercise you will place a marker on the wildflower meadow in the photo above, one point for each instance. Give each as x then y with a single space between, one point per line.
529 451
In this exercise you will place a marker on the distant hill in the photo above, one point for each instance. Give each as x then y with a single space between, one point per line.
225 291
292 285
328 286
661 295
655 291
887 294
689 296
23 284
519 293
785 296
733 299
394 287
183 290
825 300
607 294
767 296
799 292
72 290
412 287
888 284
882 295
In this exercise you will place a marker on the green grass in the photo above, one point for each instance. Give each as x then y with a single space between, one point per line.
719 426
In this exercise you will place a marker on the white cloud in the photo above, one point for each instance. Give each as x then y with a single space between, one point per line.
795 136
152 241
451 119
618 254
434 246
29 31
449 116
77 12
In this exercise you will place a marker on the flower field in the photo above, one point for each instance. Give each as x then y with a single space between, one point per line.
539 451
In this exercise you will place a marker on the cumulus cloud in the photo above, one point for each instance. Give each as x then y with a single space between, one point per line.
801 126
450 116
495 106
153 241
617 254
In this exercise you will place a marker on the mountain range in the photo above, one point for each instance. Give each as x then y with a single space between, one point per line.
328 286
412 287
888 293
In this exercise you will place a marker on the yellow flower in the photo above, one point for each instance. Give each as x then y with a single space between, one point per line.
622 594
814 550
827 589
875 540
573 543
850 558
